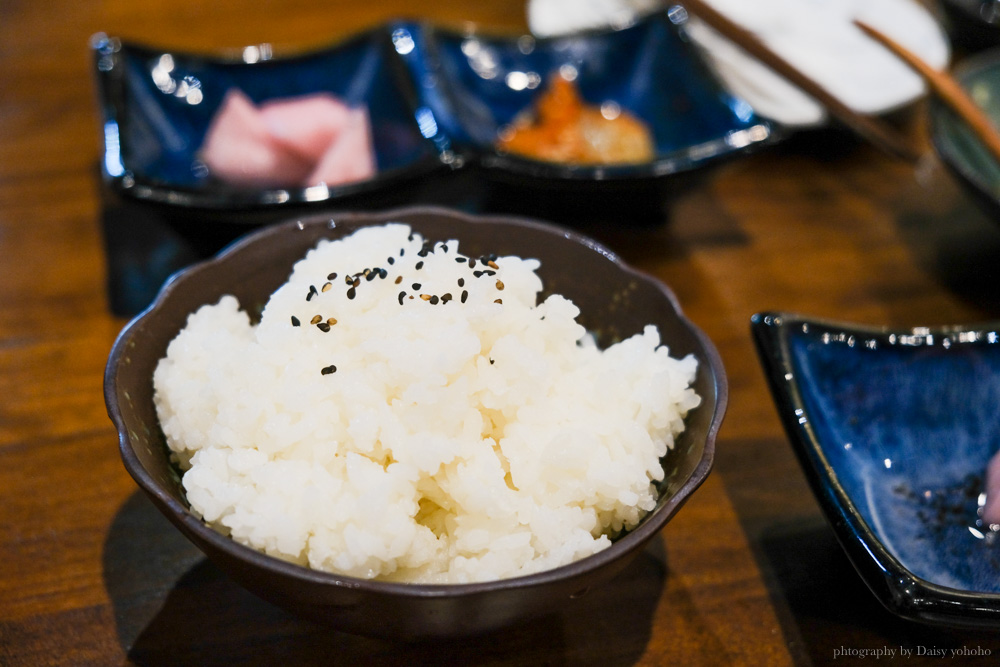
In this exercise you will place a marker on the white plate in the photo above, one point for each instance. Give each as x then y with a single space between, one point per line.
818 36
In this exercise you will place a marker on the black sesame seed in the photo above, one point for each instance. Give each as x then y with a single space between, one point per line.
444 247
351 293
323 326
327 370
434 300
295 321
356 282
465 295
402 251
461 282
419 266
382 273
410 237
415 286
446 297
491 362
371 276
400 297
472 263
348 280
332 276
489 273
391 260
477 274
459 259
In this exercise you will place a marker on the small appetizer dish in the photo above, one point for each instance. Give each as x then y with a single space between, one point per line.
247 130
895 431
624 104
405 99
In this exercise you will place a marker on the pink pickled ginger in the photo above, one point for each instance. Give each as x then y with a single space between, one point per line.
292 142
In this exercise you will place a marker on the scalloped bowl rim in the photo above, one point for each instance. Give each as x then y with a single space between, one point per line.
648 527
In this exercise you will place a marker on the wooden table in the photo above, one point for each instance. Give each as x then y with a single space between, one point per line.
747 573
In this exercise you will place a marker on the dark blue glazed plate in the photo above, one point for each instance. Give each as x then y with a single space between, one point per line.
436 101
957 146
478 84
157 106
894 430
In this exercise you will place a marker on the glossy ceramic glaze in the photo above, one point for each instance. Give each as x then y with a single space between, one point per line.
157 106
955 143
615 301
436 100
893 430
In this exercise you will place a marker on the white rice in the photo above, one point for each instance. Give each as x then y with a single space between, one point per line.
453 442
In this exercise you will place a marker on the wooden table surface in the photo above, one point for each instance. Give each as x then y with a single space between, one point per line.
748 573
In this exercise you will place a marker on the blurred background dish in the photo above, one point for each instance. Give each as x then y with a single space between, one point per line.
818 37
893 430
647 70
435 102
572 265
957 146
972 24
159 105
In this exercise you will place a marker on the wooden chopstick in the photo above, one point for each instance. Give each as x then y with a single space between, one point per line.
947 89
875 130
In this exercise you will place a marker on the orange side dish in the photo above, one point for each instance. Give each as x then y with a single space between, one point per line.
563 128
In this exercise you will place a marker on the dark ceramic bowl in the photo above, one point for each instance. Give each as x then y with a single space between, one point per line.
894 430
253 268
957 146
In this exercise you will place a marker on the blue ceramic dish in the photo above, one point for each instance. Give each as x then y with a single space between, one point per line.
157 106
436 101
893 430
957 146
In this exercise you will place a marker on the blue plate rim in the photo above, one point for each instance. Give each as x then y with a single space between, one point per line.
896 587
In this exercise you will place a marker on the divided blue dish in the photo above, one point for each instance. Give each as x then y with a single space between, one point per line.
894 429
436 99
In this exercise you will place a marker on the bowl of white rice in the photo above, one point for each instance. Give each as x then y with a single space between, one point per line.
416 423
